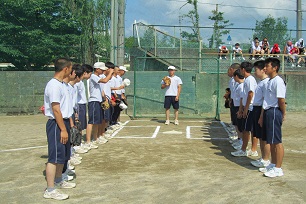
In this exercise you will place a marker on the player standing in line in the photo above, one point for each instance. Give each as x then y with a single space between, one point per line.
245 111
172 95
272 117
257 107
57 109
81 98
116 88
94 104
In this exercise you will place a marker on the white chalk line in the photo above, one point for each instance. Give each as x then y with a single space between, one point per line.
24 148
122 126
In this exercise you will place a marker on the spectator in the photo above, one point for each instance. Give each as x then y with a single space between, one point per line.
222 52
275 49
288 47
294 55
237 52
257 51
300 45
265 46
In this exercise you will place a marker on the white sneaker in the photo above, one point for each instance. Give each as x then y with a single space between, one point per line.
70 166
243 58
65 184
109 131
260 163
90 146
267 168
70 172
239 153
176 122
55 194
81 150
298 65
167 122
292 65
108 136
233 58
220 57
253 58
102 140
66 177
252 154
274 172
262 58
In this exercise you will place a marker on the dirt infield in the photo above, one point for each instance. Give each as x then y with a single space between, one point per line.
148 162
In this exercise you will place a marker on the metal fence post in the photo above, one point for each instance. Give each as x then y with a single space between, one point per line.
283 64
155 42
181 62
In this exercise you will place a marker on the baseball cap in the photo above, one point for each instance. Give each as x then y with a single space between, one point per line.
100 65
123 68
171 67
223 47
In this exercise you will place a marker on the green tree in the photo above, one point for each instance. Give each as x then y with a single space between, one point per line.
274 29
33 33
219 28
193 17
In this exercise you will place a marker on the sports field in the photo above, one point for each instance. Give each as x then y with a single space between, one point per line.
148 162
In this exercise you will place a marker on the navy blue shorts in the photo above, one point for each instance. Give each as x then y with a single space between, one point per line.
58 153
95 113
82 116
170 100
272 125
247 123
234 111
257 130
107 114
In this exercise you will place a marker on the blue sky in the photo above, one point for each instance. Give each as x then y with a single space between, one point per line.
167 12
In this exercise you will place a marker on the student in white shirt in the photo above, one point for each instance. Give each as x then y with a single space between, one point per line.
56 102
172 95
94 104
261 88
245 110
272 117
116 87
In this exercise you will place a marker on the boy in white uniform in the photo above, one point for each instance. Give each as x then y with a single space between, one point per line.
172 94
272 117
56 102
258 100
245 111
116 87
94 104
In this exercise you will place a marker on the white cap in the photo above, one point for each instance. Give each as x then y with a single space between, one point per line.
100 65
123 68
172 67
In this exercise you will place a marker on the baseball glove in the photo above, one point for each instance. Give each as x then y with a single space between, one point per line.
75 136
167 80
105 105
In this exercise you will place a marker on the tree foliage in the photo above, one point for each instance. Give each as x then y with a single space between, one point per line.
219 28
193 17
274 29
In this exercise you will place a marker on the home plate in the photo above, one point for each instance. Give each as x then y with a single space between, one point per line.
173 132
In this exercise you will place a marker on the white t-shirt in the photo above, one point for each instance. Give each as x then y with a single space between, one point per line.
250 84
94 89
74 94
120 82
231 85
172 89
237 50
56 92
276 89
106 87
258 48
288 48
81 98
115 83
237 93
260 92
70 94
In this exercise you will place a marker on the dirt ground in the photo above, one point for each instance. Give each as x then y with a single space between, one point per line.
148 162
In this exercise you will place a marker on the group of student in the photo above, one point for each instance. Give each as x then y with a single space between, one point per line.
295 52
258 111
66 103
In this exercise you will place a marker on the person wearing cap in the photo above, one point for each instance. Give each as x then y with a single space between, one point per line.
172 94
94 103
288 47
222 52
275 49
122 71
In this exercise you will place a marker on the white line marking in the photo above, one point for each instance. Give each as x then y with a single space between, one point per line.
25 148
117 131
156 132
188 132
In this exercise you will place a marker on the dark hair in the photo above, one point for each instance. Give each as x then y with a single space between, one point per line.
260 64
228 89
61 63
237 44
256 38
110 65
238 73
79 71
87 68
235 66
247 66
274 62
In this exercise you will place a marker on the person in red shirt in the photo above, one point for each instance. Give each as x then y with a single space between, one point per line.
275 49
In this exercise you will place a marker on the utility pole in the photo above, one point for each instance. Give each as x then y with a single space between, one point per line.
214 33
299 19
121 34
114 31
